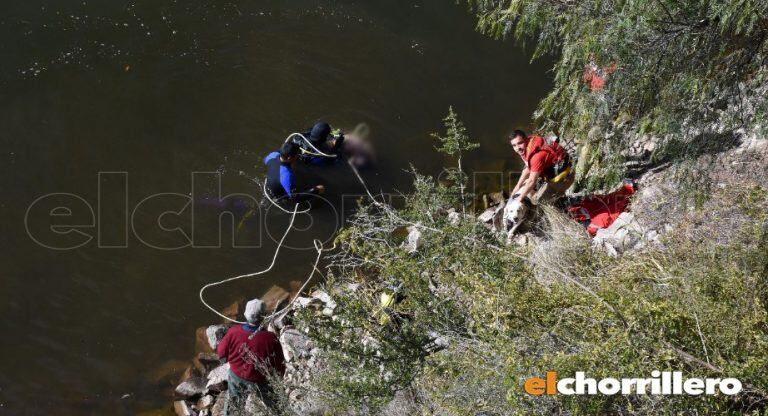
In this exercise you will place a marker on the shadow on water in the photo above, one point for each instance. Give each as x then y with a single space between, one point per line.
153 91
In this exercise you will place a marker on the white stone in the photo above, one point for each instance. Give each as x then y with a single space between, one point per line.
205 402
487 216
182 408
217 378
622 235
414 239
215 333
303 301
295 344
191 387
324 298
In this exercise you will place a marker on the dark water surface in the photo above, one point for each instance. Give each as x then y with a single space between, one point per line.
160 89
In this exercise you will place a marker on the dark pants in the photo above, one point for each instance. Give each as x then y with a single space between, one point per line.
238 390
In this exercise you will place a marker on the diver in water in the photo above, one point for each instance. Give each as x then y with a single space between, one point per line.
320 147
280 182
320 139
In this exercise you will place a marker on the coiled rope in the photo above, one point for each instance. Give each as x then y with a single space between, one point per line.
318 246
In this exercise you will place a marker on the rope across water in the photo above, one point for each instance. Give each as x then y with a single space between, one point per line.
317 244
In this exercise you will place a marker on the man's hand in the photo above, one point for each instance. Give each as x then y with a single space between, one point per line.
320 189
520 181
529 186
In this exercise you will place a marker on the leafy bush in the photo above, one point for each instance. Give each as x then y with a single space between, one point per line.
672 66
476 318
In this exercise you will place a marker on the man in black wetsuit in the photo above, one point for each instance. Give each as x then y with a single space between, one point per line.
280 179
321 138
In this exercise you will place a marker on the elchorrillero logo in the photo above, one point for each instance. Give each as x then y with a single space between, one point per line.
660 383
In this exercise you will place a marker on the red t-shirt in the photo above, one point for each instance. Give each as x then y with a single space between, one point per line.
540 156
240 352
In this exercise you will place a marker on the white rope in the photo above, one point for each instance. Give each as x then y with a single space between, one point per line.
266 194
319 249
271 265
317 244
317 151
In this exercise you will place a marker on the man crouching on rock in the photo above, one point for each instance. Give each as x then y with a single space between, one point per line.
251 353
548 161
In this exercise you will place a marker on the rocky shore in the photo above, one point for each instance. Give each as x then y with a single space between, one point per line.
655 211
201 388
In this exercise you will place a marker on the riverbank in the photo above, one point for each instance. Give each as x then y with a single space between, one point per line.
455 287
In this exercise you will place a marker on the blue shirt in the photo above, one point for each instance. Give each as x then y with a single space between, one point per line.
278 178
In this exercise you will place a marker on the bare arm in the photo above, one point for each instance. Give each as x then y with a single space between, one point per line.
521 180
529 186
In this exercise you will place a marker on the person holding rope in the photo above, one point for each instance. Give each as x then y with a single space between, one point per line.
280 182
252 354
317 143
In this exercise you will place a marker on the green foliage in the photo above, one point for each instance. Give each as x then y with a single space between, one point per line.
503 323
456 139
677 63
454 143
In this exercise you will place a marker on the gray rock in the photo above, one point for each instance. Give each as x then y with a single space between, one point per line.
295 344
487 216
414 240
650 145
306 403
191 388
493 217
205 362
281 320
454 217
215 334
182 408
624 234
205 402
303 302
217 379
218 407
325 298
652 236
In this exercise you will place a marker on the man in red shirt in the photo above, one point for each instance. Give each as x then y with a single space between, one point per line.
251 353
542 160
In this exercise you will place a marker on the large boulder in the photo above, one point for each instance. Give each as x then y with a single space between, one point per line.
217 379
191 388
214 334
235 310
295 344
624 234
205 362
275 298
492 217
201 340
218 407
182 408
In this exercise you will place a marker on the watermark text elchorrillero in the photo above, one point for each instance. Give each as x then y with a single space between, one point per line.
660 383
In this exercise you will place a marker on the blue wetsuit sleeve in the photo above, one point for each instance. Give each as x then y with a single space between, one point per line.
270 157
286 179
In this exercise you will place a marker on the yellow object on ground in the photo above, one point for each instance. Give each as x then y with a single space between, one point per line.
561 176
386 301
